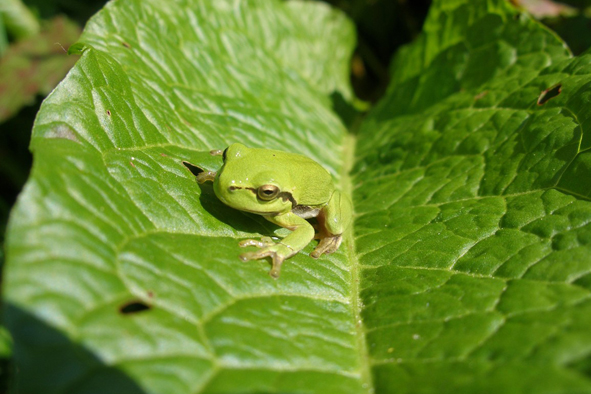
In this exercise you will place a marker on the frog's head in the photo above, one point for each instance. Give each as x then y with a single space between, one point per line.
250 181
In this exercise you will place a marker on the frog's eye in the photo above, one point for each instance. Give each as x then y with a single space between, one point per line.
267 192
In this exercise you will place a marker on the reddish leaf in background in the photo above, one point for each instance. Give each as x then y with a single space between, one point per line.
36 65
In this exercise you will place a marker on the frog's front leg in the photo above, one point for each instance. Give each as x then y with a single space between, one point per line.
205 176
333 220
302 234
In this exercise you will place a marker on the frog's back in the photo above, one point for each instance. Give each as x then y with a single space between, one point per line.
311 184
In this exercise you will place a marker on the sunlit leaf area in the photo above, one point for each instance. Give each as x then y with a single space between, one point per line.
458 129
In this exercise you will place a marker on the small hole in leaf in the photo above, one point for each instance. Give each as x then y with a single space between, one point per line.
549 94
135 306
480 95
194 169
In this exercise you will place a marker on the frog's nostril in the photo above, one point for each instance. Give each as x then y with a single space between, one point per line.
232 188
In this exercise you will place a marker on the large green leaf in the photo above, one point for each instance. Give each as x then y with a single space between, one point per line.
473 210
468 268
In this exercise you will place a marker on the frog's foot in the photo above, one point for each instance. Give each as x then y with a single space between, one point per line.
265 241
278 253
205 176
327 245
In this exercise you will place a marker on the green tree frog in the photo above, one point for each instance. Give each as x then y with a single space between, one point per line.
286 189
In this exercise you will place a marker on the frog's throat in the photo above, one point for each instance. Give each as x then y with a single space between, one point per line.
305 211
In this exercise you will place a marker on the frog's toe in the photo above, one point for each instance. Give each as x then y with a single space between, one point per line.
265 241
261 254
327 245
276 270
277 252
248 256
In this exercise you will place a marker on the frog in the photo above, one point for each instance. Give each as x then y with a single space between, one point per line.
286 189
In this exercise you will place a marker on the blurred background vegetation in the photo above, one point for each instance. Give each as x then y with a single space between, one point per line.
35 35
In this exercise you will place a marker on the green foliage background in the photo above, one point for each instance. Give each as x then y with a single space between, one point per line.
468 267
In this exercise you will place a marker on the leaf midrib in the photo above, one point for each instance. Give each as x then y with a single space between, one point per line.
349 144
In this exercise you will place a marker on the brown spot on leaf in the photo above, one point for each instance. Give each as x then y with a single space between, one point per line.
126 45
480 95
108 113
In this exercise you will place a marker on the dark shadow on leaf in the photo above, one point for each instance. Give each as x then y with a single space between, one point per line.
241 221
582 366
49 362
345 110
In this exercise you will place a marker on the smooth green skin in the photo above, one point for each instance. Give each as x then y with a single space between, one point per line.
305 190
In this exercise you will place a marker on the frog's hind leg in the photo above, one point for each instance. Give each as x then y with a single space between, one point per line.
333 220
327 245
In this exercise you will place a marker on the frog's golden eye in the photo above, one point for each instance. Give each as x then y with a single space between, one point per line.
267 192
